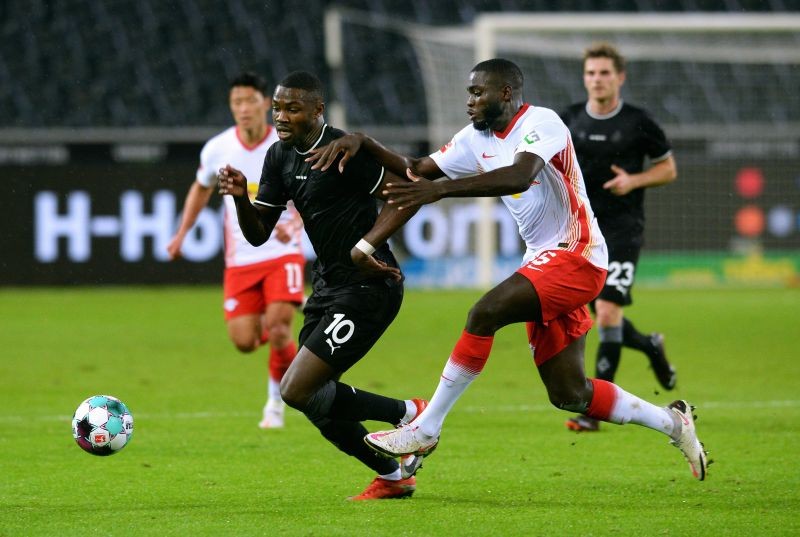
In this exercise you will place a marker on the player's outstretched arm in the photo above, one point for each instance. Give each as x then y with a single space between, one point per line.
389 220
504 181
257 223
347 146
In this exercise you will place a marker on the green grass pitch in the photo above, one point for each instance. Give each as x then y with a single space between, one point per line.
506 466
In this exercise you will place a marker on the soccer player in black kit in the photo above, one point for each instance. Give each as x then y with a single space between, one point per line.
612 139
357 285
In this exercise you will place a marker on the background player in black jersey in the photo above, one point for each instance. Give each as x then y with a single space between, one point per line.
357 288
612 141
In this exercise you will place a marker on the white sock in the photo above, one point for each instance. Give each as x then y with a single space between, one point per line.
394 476
274 390
411 411
629 408
455 380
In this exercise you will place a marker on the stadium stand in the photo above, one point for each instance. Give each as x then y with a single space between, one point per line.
127 63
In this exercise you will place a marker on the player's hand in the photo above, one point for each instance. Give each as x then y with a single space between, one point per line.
419 191
284 232
346 146
621 184
374 268
232 181
174 247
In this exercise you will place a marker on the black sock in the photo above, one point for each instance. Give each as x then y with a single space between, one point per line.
348 436
353 404
608 354
634 339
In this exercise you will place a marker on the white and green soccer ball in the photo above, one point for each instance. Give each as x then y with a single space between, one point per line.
102 425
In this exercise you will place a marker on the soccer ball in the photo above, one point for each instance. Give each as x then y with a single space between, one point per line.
102 425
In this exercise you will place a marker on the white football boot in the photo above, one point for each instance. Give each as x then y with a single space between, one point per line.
273 414
687 441
405 440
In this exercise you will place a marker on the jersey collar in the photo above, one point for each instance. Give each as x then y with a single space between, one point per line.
321 134
522 109
258 143
611 114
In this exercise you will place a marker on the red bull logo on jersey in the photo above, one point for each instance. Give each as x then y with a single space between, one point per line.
252 190
446 146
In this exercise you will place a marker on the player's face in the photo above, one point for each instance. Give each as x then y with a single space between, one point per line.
601 80
484 101
249 107
295 113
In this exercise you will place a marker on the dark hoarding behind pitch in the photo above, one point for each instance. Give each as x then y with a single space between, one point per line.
103 214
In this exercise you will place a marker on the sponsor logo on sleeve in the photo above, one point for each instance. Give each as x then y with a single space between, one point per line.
531 138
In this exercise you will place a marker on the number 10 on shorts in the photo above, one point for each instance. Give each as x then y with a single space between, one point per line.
340 331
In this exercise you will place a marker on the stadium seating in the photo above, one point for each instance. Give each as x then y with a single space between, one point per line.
123 63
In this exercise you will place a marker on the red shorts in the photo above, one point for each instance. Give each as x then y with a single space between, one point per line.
565 282
249 289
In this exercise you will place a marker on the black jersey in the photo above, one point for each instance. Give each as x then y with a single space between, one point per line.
624 137
338 209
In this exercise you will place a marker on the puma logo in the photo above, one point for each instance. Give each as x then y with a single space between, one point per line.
331 345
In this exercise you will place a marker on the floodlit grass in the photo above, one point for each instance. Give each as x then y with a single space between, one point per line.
198 465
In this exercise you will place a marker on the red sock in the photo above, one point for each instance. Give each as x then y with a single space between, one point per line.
605 395
471 352
280 360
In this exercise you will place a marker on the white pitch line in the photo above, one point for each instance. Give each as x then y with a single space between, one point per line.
700 405
506 409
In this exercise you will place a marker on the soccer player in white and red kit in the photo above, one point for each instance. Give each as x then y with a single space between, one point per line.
262 286
524 154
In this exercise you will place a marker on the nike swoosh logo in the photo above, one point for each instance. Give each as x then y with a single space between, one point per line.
484 155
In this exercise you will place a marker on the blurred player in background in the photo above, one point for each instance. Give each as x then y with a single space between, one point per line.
612 141
524 154
262 286
357 290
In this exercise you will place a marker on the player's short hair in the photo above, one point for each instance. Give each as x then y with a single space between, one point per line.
507 70
605 50
250 80
305 81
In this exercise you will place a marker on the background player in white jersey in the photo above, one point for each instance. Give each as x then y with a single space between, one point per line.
262 286
612 141
524 154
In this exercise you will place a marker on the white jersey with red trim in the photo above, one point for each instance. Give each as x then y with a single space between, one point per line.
554 212
228 148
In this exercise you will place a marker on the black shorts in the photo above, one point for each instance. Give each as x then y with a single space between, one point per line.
622 260
341 329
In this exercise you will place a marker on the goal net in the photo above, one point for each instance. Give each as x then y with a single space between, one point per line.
723 86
